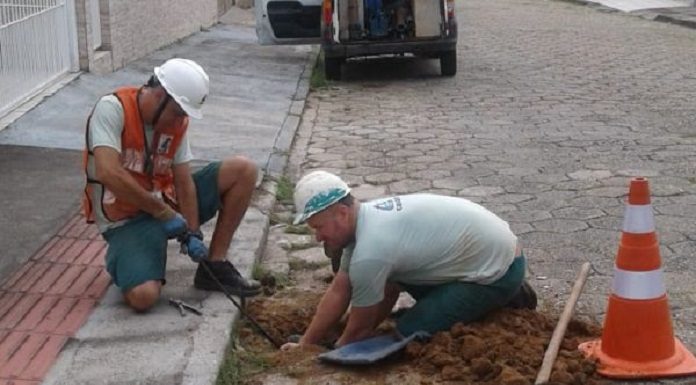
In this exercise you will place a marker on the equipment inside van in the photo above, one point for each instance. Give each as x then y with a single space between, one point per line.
361 28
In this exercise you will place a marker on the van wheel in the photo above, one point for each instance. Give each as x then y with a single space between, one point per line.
448 63
332 68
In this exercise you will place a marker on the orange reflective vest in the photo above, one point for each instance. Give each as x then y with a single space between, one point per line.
149 164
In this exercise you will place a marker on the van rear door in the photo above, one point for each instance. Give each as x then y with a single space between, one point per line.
288 21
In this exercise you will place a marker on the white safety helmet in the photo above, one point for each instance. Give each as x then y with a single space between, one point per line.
186 82
315 192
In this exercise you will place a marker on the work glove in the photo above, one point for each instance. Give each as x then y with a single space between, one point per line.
173 223
192 245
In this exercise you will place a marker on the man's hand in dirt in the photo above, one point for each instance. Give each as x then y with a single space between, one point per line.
288 346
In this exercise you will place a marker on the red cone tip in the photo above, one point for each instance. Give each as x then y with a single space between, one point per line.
639 192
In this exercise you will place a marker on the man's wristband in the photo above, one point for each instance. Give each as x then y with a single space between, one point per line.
197 233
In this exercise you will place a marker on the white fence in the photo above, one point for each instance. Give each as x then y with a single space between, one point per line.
35 47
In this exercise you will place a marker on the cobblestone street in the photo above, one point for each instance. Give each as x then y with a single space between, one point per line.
554 108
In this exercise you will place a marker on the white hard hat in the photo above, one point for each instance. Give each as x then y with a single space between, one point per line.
315 192
186 82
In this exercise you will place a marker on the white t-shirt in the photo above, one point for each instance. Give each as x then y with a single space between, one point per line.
425 239
105 129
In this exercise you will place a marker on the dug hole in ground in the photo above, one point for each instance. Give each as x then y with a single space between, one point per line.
505 348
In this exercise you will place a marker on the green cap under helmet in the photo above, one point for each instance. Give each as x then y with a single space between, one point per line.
315 192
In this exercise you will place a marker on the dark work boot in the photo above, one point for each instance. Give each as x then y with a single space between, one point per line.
525 298
228 276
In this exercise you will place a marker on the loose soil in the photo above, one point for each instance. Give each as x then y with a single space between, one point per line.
505 348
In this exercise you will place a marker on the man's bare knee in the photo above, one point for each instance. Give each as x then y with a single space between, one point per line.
142 297
238 169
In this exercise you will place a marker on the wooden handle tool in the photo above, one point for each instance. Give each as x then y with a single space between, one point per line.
559 331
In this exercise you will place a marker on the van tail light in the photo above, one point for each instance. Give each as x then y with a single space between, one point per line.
450 10
327 10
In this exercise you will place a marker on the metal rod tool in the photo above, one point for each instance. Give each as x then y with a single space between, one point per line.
241 310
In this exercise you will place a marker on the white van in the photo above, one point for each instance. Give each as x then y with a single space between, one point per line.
353 28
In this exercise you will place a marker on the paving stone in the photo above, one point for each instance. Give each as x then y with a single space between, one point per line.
409 186
37 313
18 311
526 215
560 225
453 183
384 177
578 213
367 192
480 191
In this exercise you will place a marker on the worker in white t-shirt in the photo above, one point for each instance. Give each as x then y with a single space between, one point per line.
458 260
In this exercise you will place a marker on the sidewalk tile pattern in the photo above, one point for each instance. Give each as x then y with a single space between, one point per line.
47 299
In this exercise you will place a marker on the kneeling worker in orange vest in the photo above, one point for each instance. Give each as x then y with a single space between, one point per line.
141 192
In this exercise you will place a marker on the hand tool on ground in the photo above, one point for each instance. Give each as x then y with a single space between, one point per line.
559 331
240 308
181 305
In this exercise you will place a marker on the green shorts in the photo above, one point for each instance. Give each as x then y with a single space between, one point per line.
137 251
439 307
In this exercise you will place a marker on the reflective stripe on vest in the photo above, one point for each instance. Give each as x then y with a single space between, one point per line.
638 219
639 285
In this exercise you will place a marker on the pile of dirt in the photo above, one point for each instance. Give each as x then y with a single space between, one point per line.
285 314
505 348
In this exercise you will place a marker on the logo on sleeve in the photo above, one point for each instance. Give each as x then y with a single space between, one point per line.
389 204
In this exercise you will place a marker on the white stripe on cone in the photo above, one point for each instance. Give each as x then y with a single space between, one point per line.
638 284
638 219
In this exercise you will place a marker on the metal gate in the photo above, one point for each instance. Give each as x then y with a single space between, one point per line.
36 47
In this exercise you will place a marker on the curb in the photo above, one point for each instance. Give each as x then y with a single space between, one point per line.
196 367
676 20
278 159
664 15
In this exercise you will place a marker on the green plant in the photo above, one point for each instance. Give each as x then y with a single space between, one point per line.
258 272
318 79
230 370
284 190
239 365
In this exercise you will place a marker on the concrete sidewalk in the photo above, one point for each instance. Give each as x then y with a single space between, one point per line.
60 320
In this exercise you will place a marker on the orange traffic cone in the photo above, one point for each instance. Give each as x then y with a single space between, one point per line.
638 341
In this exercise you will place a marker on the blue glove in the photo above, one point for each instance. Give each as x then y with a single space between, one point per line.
193 245
175 226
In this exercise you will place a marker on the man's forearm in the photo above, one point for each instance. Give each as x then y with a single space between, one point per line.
329 312
352 334
188 204
361 324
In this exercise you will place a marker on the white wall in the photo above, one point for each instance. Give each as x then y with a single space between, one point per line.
132 29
